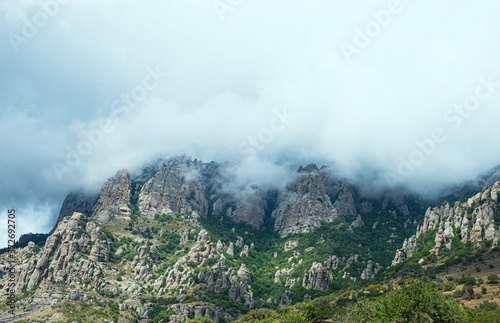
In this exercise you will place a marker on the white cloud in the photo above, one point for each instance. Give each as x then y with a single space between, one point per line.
226 77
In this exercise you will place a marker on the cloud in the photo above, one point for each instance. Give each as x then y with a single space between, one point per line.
229 81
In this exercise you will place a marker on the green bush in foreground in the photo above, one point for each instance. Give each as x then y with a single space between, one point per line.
415 302
419 302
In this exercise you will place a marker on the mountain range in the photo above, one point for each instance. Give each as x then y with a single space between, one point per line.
182 239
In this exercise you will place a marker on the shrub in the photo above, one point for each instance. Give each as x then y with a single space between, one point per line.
204 319
258 314
467 281
449 286
493 279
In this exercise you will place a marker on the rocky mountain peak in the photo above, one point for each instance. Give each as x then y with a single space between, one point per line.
309 169
316 195
114 198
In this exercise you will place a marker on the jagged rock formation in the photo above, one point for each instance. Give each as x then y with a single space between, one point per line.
314 196
244 252
406 252
250 207
138 264
473 220
290 245
178 187
185 237
60 259
358 223
352 259
244 274
285 271
371 270
181 276
332 262
76 202
230 250
182 185
286 299
114 199
317 277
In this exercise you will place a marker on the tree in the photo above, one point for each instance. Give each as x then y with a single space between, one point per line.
419 302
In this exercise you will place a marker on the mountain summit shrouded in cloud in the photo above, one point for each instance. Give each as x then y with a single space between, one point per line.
394 93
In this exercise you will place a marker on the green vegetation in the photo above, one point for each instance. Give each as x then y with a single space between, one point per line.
414 302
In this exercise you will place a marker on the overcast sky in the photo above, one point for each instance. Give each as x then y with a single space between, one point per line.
398 92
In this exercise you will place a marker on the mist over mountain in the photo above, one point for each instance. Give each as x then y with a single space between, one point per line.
88 88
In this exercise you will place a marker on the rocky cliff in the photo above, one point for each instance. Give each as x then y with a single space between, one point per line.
314 196
186 186
76 202
114 198
474 220
196 257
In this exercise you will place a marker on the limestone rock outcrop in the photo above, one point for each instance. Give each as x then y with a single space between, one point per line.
76 202
474 220
244 274
60 260
317 277
406 252
290 245
315 196
178 187
250 207
371 270
332 262
358 223
114 199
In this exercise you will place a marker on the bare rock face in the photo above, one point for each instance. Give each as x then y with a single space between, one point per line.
371 270
114 198
473 220
314 196
244 274
291 244
178 186
184 312
239 241
237 289
184 237
286 299
332 262
283 272
100 251
352 259
181 276
59 259
250 208
318 278
76 202
244 252
181 185
230 249
358 223
406 252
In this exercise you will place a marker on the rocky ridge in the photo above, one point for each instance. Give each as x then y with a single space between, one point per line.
474 220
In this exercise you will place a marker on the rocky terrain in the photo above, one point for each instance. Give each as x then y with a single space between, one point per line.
474 220
177 241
